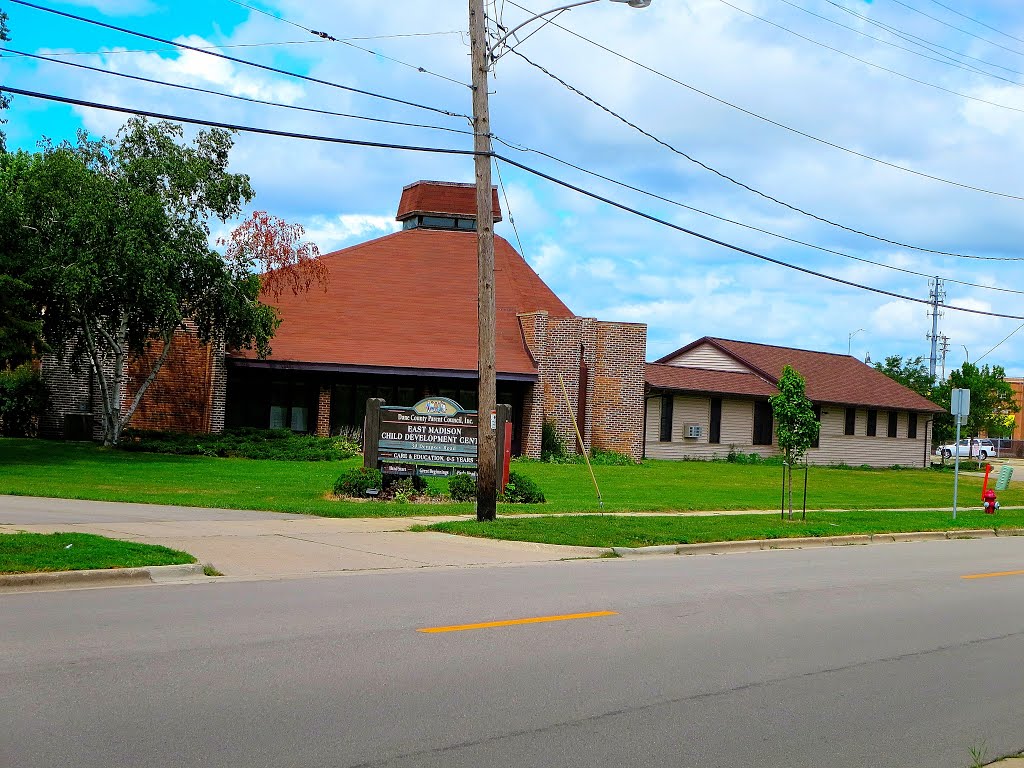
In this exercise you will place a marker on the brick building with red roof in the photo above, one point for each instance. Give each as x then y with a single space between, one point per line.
710 398
397 320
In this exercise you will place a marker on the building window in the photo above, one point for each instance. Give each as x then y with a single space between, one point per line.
666 419
715 430
872 423
912 426
892 424
289 406
851 421
763 422
817 437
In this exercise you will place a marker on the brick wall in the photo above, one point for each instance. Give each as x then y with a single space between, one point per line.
70 390
535 326
188 394
180 399
323 414
618 411
613 354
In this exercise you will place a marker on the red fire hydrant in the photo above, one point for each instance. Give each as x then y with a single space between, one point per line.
988 496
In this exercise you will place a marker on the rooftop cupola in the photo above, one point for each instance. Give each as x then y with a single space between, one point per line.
441 205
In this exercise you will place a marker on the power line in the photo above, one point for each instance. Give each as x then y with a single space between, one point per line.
514 146
508 208
517 147
997 346
204 47
510 161
841 52
239 61
345 41
318 41
777 124
976 21
917 40
237 97
949 61
751 227
754 190
958 29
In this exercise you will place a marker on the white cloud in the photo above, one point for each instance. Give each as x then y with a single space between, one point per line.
608 263
347 229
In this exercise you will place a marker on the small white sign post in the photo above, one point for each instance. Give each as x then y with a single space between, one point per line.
959 406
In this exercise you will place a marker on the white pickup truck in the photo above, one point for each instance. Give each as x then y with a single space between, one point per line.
969 448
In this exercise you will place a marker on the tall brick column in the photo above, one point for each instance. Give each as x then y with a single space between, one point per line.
323 413
535 332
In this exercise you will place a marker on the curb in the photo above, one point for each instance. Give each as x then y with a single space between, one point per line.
152 574
760 545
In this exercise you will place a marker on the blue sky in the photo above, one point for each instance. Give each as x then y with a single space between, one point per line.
954 110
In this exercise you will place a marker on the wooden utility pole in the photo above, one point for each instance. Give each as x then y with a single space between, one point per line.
486 483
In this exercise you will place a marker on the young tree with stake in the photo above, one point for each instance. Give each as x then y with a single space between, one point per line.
795 423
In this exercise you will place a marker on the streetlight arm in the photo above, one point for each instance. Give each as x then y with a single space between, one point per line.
532 19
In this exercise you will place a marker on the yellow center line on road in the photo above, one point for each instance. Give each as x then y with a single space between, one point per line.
513 622
993 575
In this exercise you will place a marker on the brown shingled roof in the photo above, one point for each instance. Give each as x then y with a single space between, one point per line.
442 198
408 300
688 379
830 378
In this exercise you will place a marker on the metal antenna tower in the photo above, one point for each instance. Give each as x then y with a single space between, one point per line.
937 296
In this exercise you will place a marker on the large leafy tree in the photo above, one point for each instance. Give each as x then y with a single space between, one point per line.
911 372
992 402
20 318
796 426
118 234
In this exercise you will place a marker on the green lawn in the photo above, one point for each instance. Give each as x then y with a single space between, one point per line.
83 471
612 531
36 552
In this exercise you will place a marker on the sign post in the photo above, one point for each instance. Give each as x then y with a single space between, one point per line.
959 406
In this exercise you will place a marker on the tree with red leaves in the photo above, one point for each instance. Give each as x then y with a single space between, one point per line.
274 248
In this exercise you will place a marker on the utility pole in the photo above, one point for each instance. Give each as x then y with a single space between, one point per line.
486 478
937 296
945 349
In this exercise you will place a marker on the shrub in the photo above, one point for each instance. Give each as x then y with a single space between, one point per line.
734 457
356 481
462 488
277 444
22 400
397 483
603 458
402 489
522 490
552 449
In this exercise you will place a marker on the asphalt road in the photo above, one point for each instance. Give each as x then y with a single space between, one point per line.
838 658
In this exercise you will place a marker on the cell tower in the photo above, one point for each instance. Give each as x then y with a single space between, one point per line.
937 297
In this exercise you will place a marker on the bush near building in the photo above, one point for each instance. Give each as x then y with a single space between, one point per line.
276 444
22 400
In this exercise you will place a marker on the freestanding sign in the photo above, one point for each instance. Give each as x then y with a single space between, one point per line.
960 403
434 438
959 406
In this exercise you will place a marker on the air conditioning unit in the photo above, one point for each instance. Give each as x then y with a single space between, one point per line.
692 431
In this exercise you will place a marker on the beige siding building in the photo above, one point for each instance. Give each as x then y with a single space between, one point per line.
710 398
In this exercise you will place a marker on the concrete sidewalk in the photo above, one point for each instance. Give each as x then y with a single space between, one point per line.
270 544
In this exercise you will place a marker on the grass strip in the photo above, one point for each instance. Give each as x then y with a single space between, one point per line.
44 552
615 531
85 471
